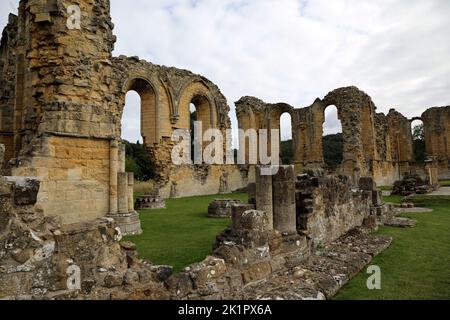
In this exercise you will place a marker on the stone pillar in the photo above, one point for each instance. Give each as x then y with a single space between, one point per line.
122 192
130 191
122 157
284 211
113 157
264 195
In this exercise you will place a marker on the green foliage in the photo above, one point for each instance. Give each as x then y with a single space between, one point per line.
193 118
182 234
138 161
333 149
416 266
287 155
419 144
418 132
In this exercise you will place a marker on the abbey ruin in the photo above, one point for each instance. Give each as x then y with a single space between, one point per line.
66 198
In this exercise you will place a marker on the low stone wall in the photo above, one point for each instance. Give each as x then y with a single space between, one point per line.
328 207
189 181
260 256
41 259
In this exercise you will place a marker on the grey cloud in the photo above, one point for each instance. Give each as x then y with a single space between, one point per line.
295 51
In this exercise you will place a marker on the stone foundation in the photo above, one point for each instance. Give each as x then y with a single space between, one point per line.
150 201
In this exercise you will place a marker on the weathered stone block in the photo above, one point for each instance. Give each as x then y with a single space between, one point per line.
256 272
254 220
284 208
222 208
25 190
237 210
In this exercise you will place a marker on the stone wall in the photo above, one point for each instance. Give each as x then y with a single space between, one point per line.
41 259
74 175
375 145
188 181
62 99
437 135
328 207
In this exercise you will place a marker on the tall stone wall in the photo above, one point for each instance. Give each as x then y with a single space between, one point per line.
437 135
8 47
62 98
375 145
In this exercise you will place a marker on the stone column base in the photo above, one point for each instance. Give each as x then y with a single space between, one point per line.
128 223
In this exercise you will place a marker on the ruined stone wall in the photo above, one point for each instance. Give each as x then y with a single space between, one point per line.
188 181
41 259
7 85
375 145
253 113
437 135
63 109
172 91
76 183
355 110
328 207
62 99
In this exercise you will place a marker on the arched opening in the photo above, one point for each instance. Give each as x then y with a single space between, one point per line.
201 108
286 146
418 140
139 128
200 112
146 118
332 140
131 118
193 117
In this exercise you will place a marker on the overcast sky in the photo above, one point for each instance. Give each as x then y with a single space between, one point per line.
293 50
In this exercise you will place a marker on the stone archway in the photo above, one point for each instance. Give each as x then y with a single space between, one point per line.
149 109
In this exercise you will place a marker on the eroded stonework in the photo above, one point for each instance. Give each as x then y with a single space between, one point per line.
62 98
66 198
375 145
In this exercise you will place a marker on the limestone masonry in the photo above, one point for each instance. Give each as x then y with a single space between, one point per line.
66 198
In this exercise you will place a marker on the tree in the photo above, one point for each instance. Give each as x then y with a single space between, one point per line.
287 155
333 149
138 161
419 132
419 143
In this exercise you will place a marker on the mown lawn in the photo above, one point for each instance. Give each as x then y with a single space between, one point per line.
417 265
181 234
445 183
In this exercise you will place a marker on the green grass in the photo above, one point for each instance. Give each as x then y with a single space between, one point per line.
417 265
445 183
386 188
181 234
393 199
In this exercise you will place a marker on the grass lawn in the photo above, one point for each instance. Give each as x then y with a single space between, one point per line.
393 199
445 183
181 234
386 188
417 265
